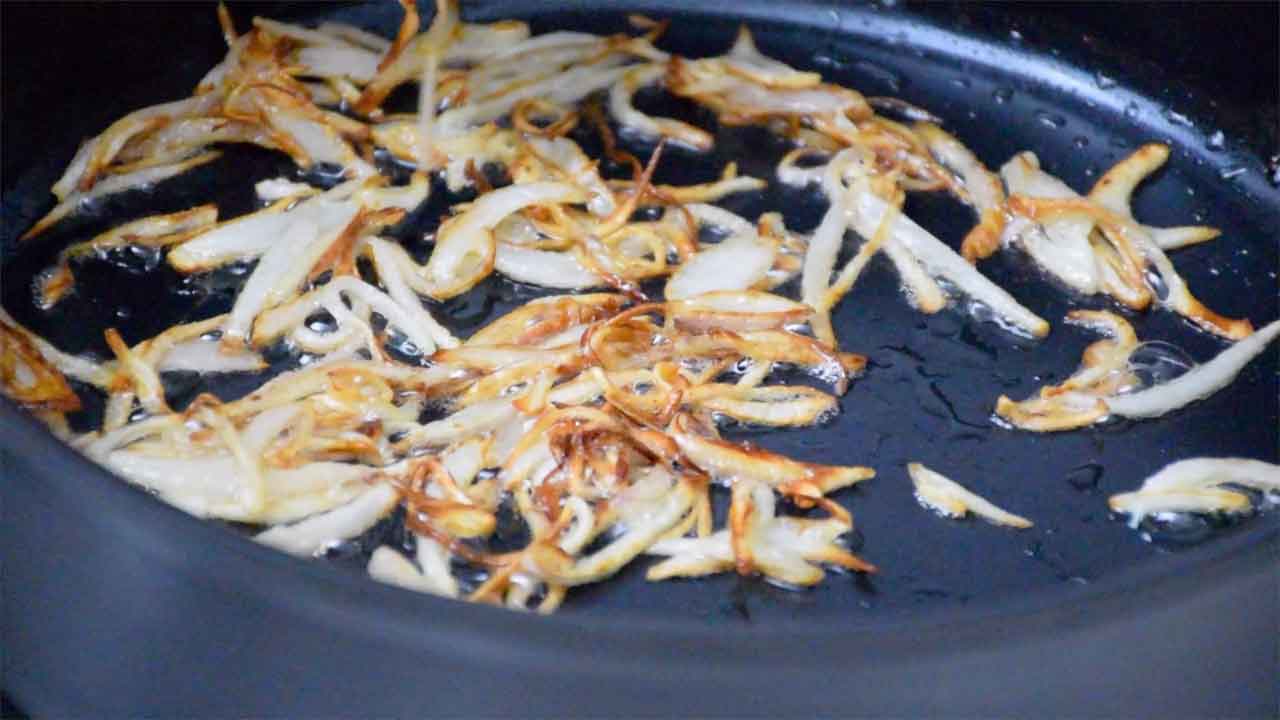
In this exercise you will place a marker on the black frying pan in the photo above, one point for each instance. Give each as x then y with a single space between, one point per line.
116 603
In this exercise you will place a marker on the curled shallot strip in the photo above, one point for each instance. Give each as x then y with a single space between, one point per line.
1196 485
948 498
1103 386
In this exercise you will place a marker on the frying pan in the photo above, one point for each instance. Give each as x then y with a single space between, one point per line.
117 604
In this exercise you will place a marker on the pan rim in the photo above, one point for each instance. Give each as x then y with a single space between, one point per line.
70 467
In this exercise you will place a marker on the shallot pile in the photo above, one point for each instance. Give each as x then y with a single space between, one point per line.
595 415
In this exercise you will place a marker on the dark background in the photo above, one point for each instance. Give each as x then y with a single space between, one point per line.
1226 49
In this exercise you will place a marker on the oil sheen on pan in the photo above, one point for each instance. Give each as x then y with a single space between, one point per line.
542 317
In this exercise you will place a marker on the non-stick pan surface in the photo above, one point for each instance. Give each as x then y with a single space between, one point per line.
99 576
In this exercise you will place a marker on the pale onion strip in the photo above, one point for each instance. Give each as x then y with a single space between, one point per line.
392 262
427 109
789 171
1193 486
274 323
464 251
726 221
496 78
950 499
98 445
824 246
725 460
206 356
474 419
1175 238
253 495
737 263
209 486
145 379
312 139
1202 472
942 261
982 186
249 236
638 535
273 189
180 139
389 566
921 289
355 36
401 64
1178 295
152 231
465 460
567 87
330 61
1197 384
540 316
113 184
98 153
633 121
746 60
73 366
404 197
119 409
740 310
575 167
853 269
315 534
1061 246
771 406
277 277
476 43
730 183
518 53
433 560
244 237
302 35
784 549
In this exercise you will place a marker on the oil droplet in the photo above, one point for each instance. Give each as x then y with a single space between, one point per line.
1273 170
1050 120
1217 140
1156 362
1191 192
1132 110
1080 142
1034 550
1002 95
1232 171
830 60
1178 118
1157 284
124 312
1104 82
1176 529
1090 171
1085 477
1015 35
888 77
961 82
